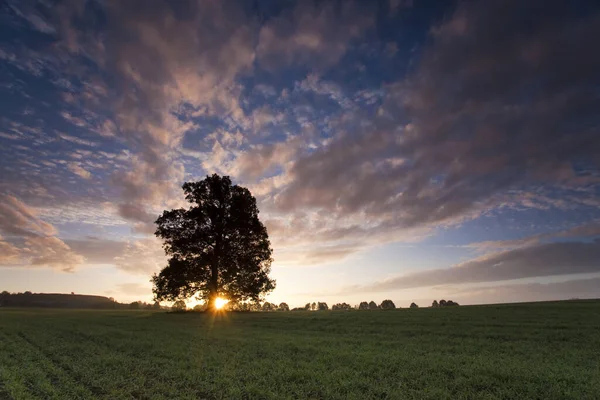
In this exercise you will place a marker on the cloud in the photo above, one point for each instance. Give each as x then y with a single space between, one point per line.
315 34
586 230
19 220
98 250
577 288
28 13
263 159
172 59
551 259
31 241
484 118
9 254
78 170
143 256
51 251
468 125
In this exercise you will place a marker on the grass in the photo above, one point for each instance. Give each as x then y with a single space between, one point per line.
524 351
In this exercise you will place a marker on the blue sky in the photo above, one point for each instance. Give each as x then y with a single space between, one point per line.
397 149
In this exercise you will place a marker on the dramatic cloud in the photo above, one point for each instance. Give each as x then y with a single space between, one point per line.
19 220
560 258
488 108
31 241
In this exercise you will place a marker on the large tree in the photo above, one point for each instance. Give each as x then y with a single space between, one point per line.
218 247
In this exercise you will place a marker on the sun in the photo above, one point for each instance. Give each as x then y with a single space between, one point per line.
220 303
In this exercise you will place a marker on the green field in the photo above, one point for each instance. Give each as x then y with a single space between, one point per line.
524 351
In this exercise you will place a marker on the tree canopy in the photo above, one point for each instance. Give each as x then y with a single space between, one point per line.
218 247
387 305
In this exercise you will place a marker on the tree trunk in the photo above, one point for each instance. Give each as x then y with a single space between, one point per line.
213 292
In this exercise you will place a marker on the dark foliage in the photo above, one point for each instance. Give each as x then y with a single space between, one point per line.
217 247
373 305
363 305
322 306
269 306
341 306
413 305
444 303
283 307
57 300
387 305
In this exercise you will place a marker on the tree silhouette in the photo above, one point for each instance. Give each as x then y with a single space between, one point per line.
363 305
322 306
217 247
313 306
373 305
307 307
341 306
413 305
387 305
283 307
435 304
269 306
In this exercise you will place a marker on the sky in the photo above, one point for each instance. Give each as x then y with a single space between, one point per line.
403 150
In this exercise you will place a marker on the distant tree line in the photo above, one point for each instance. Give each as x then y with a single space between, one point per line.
63 300
58 300
444 303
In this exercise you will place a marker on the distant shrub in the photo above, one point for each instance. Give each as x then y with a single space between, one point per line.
341 306
363 305
322 306
283 307
373 305
268 306
387 305
444 303
136 305
413 305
